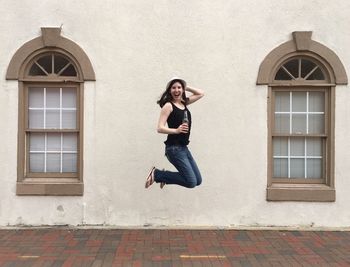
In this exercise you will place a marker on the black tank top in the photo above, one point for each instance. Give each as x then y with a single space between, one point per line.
174 121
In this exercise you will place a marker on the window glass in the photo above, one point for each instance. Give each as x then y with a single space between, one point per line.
60 63
35 70
316 124
292 157
282 75
53 152
46 63
282 123
297 147
301 113
52 64
280 167
52 97
54 142
299 123
314 147
36 98
316 75
69 162
299 69
69 71
37 162
299 101
53 162
293 67
316 101
69 98
306 67
37 142
52 108
280 146
314 168
282 101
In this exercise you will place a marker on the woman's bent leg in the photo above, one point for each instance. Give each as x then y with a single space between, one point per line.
178 156
195 168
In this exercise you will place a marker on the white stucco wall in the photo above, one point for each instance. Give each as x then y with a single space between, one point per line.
135 46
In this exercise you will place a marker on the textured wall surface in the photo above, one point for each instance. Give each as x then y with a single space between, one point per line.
135 46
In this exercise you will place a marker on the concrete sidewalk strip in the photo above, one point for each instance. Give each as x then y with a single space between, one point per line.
64 246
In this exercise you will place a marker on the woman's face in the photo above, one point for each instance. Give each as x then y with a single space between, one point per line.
176 91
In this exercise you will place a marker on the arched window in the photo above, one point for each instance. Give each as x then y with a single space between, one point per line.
51 74
52 65
300 68
300 124
301 75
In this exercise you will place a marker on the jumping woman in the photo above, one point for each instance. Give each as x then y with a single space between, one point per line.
175 121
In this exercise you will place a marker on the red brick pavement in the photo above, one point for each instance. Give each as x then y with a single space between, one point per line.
113 247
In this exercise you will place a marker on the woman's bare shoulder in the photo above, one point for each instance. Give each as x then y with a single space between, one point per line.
167 106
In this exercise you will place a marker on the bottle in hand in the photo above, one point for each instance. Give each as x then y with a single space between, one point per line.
185 118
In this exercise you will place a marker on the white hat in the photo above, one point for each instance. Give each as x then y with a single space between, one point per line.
178 79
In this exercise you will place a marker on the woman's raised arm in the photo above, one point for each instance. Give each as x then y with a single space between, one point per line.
196 94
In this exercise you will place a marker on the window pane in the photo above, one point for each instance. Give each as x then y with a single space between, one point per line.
316 123
306 67
70 71
52 119
53 162
36 162
299 101
36 97
299 123
37 142
282 123
69 119
314 168
316 102
314 146
60 63
297 168
297 146
53 97
36 119
280 168
53 142
280 146
293 66
46 63
69 163
316 75
281 75
282 102
69 98
36 71
70 141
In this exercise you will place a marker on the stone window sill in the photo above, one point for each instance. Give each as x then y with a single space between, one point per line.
50 188
300 192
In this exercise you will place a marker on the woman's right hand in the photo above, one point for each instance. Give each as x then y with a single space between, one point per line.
183 128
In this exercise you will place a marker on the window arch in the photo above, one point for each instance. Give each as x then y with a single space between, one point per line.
302 69
52 64
51 71
301 76
302 44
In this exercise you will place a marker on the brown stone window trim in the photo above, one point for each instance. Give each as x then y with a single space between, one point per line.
57 66
281 71
50 40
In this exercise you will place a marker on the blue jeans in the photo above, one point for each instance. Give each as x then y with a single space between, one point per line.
188 174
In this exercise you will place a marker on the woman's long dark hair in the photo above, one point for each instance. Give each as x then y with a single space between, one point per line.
166 96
